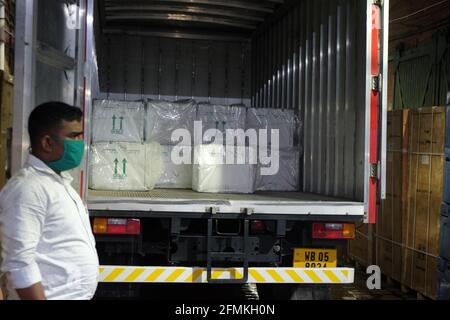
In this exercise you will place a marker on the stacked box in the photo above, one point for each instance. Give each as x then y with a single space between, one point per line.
287 176
421 222
117 166
177 168
389 252
154 164
117 121
221 118
212 172
408 233
164 117
284 121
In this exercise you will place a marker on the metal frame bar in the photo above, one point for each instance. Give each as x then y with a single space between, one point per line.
184 18
289 208
192 10
114 213
210 255
367 102
384 93
164 274
24 72
241 5
86 63
178 34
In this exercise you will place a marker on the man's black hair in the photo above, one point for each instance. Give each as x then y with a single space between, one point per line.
48 117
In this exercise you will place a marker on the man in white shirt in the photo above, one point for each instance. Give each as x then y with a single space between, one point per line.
48 248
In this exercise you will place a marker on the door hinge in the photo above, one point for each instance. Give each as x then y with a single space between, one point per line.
377 83
374 170
378 2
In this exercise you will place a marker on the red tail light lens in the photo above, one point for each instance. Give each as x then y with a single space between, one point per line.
257 226
333 231
117 226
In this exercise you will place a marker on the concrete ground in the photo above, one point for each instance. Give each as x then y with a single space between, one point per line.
359 291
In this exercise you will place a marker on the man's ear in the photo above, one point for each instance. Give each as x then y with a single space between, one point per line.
47 144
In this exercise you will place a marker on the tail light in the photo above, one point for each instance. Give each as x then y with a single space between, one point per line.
333 231
117 226
257 226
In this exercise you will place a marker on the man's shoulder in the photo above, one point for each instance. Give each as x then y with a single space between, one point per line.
26 181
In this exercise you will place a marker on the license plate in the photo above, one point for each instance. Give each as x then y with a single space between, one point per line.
315 258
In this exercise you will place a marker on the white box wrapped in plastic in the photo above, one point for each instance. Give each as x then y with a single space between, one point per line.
117 166
118 121
221 118
212 174
285 121
176 174
164 117
287 177
154 164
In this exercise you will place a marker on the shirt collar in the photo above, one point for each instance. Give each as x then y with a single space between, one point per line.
40 165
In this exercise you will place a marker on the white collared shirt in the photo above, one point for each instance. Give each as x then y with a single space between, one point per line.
46 235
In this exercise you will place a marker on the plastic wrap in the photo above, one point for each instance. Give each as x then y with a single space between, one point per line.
212 174
154 164
117 166
271 119
176 175
287 177
164 117
221 118
118 121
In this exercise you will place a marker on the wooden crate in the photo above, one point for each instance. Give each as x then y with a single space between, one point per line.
407 229
422 212
360 249
388 234
6 119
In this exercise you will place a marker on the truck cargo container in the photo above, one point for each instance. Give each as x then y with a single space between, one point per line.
323 61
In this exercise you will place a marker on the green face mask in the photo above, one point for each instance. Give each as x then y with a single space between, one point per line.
73 154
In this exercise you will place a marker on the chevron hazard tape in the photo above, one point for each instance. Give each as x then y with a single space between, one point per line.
128 274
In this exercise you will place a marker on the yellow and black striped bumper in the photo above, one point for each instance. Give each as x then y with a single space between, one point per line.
130 274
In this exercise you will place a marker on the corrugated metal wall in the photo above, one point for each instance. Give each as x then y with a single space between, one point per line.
422 75
55 83
217 71
313 60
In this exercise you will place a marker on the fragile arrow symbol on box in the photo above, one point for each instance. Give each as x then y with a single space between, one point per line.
114 122
116 162
121 121
124 161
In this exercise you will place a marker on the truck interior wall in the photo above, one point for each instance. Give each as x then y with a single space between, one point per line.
55 34
312 59
165 68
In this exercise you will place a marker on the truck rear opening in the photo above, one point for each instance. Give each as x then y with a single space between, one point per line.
313 57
